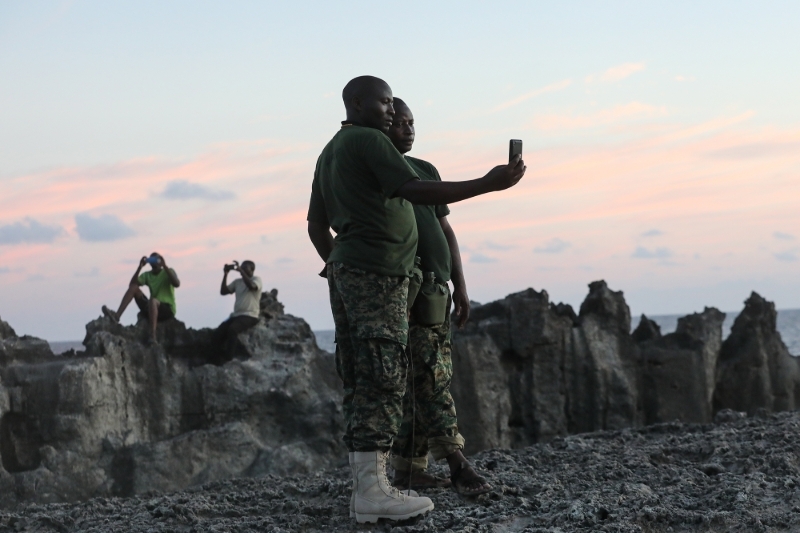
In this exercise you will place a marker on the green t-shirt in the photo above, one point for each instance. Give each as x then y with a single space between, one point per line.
432 247
356 178
160 287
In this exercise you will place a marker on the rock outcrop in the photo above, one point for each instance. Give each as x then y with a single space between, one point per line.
678 374
122 418
756 370
527 370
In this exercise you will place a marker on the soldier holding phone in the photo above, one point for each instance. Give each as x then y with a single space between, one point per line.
362 188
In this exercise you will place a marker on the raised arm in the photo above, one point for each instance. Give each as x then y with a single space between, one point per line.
173 277
135 279
447 192
223 289
460 297
248 281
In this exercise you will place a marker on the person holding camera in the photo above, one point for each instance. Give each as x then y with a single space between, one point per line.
430 416
247 305
363 189
161 282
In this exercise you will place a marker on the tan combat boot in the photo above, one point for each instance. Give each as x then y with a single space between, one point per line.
355 484
375 497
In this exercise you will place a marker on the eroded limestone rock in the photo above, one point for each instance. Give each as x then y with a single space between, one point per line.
755 369
122 418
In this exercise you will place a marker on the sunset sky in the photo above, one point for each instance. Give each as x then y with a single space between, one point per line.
662 142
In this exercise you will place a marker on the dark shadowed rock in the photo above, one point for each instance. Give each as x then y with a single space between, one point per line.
122 418
647 330
525 373
6 331
755 369
679 369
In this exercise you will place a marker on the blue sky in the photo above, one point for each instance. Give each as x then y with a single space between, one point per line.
662 141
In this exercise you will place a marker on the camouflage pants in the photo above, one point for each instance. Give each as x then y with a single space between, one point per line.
369 311
436 426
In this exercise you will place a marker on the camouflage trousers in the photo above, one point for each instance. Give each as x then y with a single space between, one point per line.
371 319
429 423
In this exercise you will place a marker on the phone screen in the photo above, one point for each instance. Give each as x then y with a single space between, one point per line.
514 148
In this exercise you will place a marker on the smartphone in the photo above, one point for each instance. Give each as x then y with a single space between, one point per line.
514 148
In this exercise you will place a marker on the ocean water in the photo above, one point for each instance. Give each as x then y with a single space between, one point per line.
788 326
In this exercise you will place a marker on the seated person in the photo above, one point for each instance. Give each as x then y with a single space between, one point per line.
247 306
161 282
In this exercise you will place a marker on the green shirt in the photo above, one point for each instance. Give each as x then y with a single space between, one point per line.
160 287
432 247
357 176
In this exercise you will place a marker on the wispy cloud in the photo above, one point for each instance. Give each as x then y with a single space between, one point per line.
186 190
754 150
788 255
4 270
101 228
652 233
783 236
29 231
491 245
553 87
91 273
617 73
553 246
480 258
632 110
658 253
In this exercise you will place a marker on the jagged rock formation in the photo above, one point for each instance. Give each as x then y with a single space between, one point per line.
122 418
678 374
526 370
756 370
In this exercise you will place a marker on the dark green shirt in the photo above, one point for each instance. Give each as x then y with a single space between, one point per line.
432 247
357 176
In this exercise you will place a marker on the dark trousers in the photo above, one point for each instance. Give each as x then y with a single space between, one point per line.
227 332
164 309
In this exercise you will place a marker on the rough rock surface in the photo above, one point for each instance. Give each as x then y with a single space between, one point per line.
6 331
526 370
678 375
737 476
756 371
122 418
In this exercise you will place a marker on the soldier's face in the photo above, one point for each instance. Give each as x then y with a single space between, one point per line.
402 131
376 109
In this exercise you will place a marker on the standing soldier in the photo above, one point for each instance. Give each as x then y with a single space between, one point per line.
429 421
362 188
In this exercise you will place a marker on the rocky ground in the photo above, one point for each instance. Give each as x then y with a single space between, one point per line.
739 474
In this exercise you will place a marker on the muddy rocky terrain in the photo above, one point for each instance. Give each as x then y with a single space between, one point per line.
737 474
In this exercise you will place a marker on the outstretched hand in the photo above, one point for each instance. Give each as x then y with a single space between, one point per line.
503 177
461 305
143 261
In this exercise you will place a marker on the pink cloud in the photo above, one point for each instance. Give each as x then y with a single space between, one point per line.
617 73
553 87
603 117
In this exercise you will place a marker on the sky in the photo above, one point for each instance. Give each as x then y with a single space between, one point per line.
662 141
